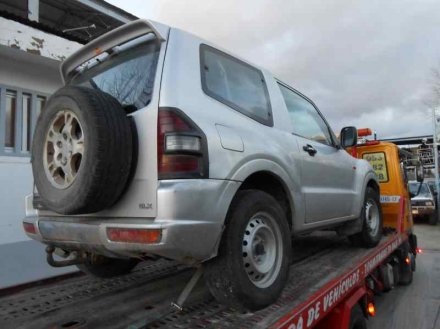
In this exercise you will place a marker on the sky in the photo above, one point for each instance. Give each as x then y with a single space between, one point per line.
364 63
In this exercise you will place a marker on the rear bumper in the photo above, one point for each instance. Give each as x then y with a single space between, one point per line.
191 214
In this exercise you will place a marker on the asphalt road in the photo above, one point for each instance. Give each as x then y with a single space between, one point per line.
416 306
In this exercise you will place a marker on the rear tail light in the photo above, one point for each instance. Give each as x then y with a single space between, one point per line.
181 146
131 235
182 143
29 228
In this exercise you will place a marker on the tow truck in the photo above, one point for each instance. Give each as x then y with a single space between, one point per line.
332 284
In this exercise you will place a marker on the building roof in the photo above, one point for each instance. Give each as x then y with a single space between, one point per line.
408 140
76 20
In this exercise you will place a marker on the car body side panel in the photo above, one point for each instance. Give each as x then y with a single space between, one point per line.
273 149
327 182
364 175
264 148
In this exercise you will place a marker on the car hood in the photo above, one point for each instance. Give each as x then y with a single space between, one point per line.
423 197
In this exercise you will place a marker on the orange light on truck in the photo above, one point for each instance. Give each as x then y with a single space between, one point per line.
134 235
362 132
407 260
29 228
371 309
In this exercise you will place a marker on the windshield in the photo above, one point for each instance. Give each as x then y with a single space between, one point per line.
414 187
432 185
126 72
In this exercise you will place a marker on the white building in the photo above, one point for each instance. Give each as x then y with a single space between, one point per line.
34 36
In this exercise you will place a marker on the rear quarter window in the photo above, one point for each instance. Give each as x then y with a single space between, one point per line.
235 83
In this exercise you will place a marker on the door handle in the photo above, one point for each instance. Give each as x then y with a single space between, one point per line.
309 149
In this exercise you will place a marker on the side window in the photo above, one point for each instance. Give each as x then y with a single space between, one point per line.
11 109
19 110
235 84
306 120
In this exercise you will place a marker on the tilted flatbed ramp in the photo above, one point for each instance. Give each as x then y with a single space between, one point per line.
325 269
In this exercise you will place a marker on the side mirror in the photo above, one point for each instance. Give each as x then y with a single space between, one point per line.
348 137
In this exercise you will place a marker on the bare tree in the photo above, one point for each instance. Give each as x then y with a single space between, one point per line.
128 82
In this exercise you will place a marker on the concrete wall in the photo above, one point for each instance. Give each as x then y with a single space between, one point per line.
21 259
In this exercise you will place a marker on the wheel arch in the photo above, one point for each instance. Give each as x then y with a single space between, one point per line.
273 185
369 180
374 185
261 173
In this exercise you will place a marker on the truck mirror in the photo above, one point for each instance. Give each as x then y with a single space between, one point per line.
420 175
348 137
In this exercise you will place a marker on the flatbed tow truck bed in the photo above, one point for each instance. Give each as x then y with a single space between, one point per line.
325 270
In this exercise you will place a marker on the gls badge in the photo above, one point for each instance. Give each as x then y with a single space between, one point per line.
145 206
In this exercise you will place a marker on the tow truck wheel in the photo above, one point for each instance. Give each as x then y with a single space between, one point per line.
105 267
406 268
357 318
372 221
252 265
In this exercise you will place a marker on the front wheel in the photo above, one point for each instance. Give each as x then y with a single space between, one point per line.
252 266
372 221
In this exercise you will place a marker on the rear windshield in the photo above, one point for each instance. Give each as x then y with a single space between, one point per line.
126 72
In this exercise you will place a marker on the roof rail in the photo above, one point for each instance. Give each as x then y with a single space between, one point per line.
107 41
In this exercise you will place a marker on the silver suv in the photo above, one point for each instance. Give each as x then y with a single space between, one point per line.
162 145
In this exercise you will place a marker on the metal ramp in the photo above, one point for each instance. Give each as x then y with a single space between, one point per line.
142 299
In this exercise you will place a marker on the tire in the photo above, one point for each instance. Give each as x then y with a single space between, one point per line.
234 277
372 221
406 270
105 267
386 272
357 318
82 151
396 273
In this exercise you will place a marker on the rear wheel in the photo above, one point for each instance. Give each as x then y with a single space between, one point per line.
105 267
357 318
372 221
252 266
407 264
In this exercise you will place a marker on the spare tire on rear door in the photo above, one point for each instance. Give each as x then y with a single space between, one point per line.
82 151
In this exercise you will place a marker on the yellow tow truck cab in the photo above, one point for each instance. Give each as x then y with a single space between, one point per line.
387 161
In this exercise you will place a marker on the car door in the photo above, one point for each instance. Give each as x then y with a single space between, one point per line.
327 171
